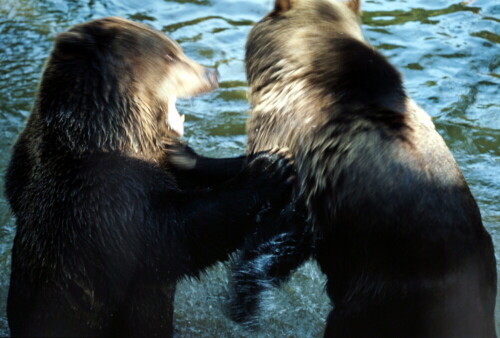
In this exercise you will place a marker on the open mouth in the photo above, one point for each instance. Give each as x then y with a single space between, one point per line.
175 120
206 82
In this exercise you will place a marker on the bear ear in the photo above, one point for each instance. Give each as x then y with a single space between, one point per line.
71 44
355 6
283 5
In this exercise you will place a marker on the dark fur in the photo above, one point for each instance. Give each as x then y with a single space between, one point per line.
395 227
267 258
104 230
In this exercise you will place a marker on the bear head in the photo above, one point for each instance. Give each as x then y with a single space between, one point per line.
317 47
111 85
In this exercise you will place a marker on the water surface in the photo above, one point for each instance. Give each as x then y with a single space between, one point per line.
448 52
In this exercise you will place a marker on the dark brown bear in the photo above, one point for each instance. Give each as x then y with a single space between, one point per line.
103 230
396 229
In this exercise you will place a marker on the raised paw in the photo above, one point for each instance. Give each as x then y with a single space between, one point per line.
180 156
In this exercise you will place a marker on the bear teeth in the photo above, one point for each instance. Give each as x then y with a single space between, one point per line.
174 120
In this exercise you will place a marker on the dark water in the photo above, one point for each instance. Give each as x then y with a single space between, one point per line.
448 51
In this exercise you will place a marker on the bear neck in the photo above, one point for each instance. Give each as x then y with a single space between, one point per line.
98 121
305 90
345 72
342 68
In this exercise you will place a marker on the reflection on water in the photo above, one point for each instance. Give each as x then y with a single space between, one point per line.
447 50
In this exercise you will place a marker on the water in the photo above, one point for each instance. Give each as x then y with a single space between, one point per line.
447 50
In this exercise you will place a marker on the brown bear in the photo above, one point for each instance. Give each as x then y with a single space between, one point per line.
105 227
391 219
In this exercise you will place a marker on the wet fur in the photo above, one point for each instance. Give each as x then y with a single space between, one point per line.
106 225
394 225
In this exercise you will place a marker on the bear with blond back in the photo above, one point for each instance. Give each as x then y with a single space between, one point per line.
381 204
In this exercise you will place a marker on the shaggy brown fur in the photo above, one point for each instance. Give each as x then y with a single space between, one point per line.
104 226
397 231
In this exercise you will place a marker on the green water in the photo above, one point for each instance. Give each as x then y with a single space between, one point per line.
448 51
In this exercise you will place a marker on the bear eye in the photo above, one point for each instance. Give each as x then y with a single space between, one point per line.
170 57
